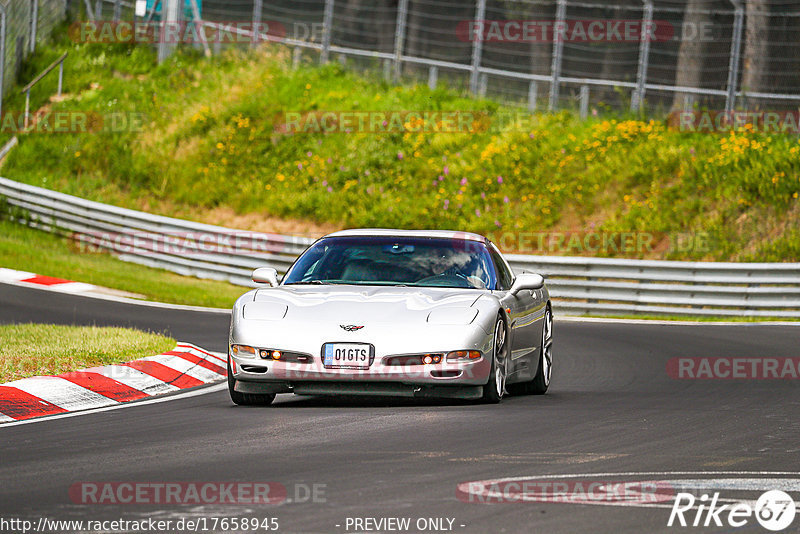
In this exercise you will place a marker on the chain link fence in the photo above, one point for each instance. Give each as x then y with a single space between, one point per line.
591 55
23 24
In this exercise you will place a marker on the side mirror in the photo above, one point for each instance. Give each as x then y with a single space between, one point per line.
527 281
266 275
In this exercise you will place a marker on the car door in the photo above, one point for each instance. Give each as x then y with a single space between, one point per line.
526 315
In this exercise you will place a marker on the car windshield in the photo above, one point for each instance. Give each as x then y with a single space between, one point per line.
395 261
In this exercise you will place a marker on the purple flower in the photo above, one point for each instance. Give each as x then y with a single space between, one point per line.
478 212
300 166
441 177
330 160
499 179
563 150
497 224
399 155
505 200
308 154
446 170
531 135
463 181
366 173
330 189
446 203
325 182
483 195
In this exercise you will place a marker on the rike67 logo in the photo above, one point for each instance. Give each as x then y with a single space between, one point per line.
774 510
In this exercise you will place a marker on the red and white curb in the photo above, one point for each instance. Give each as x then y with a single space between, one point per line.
186 366
57 284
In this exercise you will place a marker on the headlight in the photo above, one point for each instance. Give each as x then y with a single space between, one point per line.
463 355
243 351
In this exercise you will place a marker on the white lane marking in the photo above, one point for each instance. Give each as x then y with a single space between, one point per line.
134 378
186 367
73 287
477 488
184 395
10 275
62 393
125 300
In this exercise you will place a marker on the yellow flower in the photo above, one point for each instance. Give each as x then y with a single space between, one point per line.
220 146
78 154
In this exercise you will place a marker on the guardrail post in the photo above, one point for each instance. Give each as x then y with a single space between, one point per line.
533 95
558 51
34 23
3 22
296 57
327 29
433 77
584 102
736 50
637 99
477 46
483 84
98 10
117 10
257 4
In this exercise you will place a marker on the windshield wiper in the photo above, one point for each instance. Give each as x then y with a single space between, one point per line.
305 282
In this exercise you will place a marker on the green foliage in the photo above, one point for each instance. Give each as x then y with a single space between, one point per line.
212 137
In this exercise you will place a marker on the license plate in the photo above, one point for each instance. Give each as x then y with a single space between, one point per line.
347 355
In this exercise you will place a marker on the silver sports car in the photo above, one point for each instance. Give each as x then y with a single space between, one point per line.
393 312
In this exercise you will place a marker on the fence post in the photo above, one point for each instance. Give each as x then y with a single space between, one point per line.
170 12
117 10
533 95
400 37
98 10
736 50
433 77
34 23
477 46
327 29
584 102
637 99
89 10
200 28
256 22
558 50
3 21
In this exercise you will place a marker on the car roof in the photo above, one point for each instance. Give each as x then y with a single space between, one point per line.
387 232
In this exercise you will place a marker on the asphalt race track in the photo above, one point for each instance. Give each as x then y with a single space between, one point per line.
613 413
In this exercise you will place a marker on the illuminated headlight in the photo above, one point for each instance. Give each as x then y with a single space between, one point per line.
243 351
463 355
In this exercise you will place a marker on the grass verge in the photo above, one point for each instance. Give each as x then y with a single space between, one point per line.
27 249
46 349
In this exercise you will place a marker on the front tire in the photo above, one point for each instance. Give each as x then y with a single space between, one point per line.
540 382
494 390
247 399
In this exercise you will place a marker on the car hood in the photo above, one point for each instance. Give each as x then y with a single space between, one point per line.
358 304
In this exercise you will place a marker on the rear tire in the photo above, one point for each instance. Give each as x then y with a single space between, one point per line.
247 399
493 391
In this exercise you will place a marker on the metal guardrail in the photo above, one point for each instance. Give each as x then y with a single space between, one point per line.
27 89
578 285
